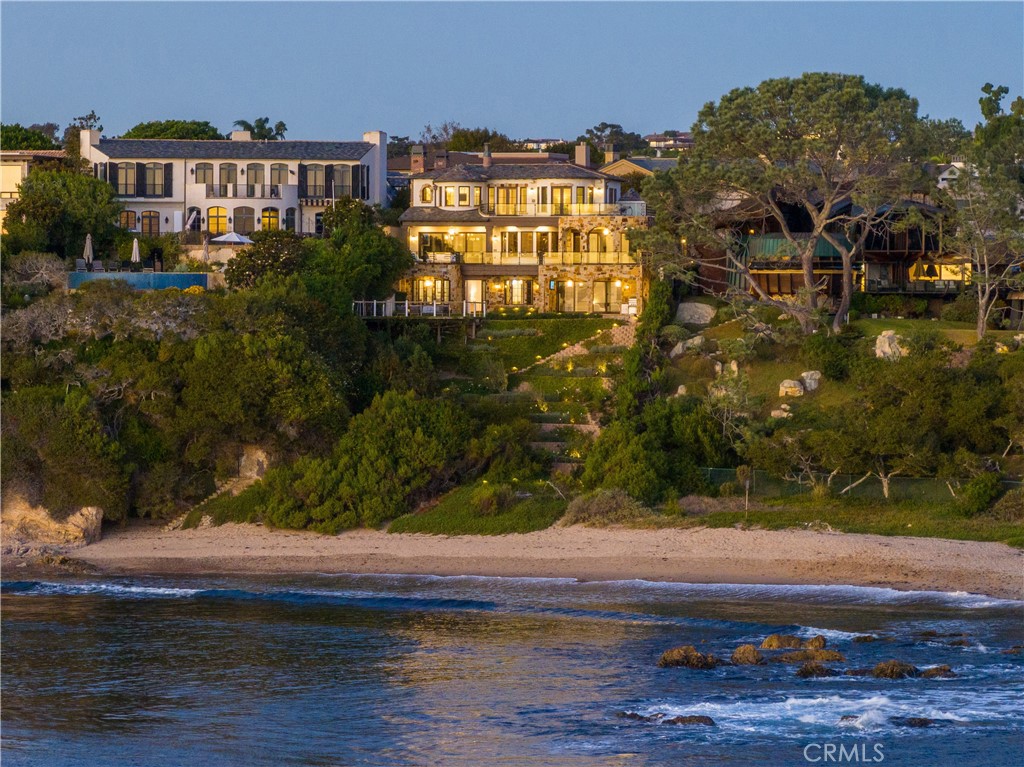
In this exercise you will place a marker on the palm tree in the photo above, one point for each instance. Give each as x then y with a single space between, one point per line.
261 130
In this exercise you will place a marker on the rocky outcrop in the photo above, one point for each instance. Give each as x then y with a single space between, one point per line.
938 672
791 388
911 721
781 642
802 656
704 720
893 669
865 638
254 462
811 379
888 346
687 656
747 655
21 520
817 642
813 669
693 313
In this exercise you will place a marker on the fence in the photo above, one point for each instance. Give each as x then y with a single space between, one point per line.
765 485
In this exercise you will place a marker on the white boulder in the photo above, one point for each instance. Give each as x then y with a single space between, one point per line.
888 346
791 388
811 379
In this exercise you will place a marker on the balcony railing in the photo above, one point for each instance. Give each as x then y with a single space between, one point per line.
245 191
392 308
556 209
566 258
917 287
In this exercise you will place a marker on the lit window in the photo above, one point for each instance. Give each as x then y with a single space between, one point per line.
427 194
449 196
270 219
217 220
463 196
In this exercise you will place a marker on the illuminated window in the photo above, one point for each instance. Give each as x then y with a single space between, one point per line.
429 289
204 173
128 219
427 194
476 196
449 196
463 195
217 220
126 179
245 220
150 223
154 180
270 219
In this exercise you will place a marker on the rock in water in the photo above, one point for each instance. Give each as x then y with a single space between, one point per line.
813 669
938 672
705 720
815 643
893 669
687 656
781 642
911 721
865 638
747 655
802 656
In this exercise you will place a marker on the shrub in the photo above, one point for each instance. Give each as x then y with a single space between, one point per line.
831 354
604 507
963 309
1010 508
978 493
488 500
673 334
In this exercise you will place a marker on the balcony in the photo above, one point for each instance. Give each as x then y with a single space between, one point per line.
557 209
244 191
567 258
590 258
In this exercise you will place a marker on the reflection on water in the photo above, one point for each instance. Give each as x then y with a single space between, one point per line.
407 671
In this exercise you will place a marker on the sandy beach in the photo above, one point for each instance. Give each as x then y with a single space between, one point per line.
692 555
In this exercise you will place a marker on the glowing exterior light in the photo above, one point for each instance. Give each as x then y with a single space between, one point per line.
618 283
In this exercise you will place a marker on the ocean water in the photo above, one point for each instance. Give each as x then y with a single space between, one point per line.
418 670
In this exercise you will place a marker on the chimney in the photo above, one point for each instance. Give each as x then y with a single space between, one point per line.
418 161
611 154
441 159
241 135
583 154
487 156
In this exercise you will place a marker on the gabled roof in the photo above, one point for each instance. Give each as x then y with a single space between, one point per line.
649 164
234 150
556 170
30 153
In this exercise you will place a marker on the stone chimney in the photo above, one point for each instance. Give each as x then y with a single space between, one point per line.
583 154
441 159
418 159
487 156
611 153
241 135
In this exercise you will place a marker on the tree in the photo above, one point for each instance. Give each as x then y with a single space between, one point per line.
272 252
15 136
441 135
824 157
473 140
49 130
72 142
56 210
987 203
260 129
613 133
191 130
398 146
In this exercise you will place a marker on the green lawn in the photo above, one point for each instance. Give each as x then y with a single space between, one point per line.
553 334
959 332
455 514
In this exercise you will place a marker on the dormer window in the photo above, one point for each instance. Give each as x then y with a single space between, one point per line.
463 196
427 194
449 196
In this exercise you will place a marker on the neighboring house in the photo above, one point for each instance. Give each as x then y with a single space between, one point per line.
672 140
14 167
645 166
540 144
237 185
552 236
422 159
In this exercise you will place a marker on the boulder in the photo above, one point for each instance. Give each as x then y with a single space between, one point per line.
815 643
681 391
791 388
747 655
780 413
938 672
865 638
705 720
802 656
811 379
640 717
888 346
849 718
1015 650
693 343
813 669
893 669
1019 340
677 351
734 367
911 721
254 462
20 519
687 656
858 672
693 313
781 642
718 368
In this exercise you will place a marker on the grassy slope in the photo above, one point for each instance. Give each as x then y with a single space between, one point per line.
520 351
455 515
958 332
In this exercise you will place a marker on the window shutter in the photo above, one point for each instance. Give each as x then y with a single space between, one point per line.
168 179
140 179
357 182
366 181
302 180
112 175
328 181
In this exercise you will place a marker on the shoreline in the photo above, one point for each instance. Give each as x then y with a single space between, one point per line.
700 555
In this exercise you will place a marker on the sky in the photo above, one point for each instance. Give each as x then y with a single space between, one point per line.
332 70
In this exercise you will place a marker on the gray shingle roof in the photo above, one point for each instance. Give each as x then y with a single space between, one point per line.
234 150
496 172
425 214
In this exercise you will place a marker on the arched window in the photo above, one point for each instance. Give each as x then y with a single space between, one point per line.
599 242
150 223
217 220
129 219
204 172
245 220
255 173
427 194
228 173
126 179
154 180
192 220
289 219
271 219
279 173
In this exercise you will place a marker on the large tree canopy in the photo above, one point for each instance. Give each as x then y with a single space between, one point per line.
840 151
192 130
15 136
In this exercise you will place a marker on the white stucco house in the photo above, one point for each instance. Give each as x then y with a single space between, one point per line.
236 185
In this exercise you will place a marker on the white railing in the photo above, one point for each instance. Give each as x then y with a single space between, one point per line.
389 307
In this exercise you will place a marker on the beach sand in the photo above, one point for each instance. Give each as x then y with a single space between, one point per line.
688 555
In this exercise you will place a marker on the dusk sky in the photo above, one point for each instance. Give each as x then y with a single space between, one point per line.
333 70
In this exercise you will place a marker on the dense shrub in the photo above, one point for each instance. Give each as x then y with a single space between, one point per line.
962 309
833 355
978 493
488 500
1010 508
604 507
